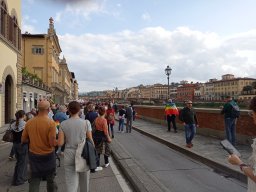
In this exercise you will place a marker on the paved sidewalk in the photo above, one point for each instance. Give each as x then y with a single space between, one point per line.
206 149
105 180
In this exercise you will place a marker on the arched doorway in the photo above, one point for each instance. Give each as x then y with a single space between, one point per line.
8 94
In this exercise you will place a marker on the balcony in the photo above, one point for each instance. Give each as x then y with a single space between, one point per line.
35 82
58 86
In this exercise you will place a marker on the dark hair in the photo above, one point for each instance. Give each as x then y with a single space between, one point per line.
252 105
102 110
73 107
19 114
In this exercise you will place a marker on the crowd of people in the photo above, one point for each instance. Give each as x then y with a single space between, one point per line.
50 130
42 134
231 113
189 119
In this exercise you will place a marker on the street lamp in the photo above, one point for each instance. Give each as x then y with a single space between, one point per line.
168 71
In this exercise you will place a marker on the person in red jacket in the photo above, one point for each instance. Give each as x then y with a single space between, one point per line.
110 116
171 112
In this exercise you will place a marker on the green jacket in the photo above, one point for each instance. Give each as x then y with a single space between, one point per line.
227 109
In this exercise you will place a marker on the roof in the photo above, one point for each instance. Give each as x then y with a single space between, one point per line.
33 35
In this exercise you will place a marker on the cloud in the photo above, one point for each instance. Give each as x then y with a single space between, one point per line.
128 58
27 27
146 16
78 12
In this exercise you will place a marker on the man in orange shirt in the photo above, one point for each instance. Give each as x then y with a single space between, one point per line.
40 133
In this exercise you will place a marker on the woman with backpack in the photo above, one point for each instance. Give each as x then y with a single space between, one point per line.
20 149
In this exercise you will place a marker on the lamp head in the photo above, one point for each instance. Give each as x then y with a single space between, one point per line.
168 70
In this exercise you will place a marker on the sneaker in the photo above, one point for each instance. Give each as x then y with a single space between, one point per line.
99 169
10 158
189 145
106 165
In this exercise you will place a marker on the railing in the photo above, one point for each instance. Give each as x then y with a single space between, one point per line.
211 122
35 83
58 86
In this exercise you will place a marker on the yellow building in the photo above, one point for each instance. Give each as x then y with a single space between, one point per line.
65 80
230 86
41 57
10 59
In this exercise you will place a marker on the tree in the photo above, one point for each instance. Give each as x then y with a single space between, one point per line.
247 88
254 85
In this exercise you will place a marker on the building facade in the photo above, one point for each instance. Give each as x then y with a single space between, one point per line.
41 54
230 86
186 92
10 59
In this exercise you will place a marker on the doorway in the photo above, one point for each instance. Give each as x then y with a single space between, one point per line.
8 94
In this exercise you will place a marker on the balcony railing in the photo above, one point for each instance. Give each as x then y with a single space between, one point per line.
35 83
58 86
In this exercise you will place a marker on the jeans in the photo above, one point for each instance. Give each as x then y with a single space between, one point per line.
12 152
105 160
121 125
20 171
34 183
111 128
75 181
128 125
190 131
230 128
171 119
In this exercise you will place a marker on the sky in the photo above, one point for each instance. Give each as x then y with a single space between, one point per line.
112 44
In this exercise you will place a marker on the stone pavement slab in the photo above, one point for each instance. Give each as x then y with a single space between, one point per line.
206 149
99 182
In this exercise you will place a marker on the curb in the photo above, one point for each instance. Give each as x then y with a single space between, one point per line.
217 167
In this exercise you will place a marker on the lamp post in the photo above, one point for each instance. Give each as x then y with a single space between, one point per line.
168 71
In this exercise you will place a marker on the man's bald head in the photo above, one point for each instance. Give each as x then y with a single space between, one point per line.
43 105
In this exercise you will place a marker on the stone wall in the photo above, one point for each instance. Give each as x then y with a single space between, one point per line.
211 122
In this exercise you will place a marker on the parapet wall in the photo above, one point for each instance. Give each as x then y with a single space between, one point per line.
211 122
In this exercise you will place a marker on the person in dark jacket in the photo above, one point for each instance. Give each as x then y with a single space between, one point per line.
91 114
129 118
20 150
121 116
189 119
229 119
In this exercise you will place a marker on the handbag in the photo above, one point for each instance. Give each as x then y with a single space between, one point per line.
80 162
8 136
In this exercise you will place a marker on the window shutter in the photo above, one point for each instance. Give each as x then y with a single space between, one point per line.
19 39
42 51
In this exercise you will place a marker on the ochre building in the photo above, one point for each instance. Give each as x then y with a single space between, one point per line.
41 56
10 59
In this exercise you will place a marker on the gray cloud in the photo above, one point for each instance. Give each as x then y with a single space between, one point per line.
128 58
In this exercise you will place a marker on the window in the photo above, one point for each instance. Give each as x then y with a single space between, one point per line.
3 19
38 50
24 94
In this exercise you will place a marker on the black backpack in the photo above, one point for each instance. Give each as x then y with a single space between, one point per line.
235 111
